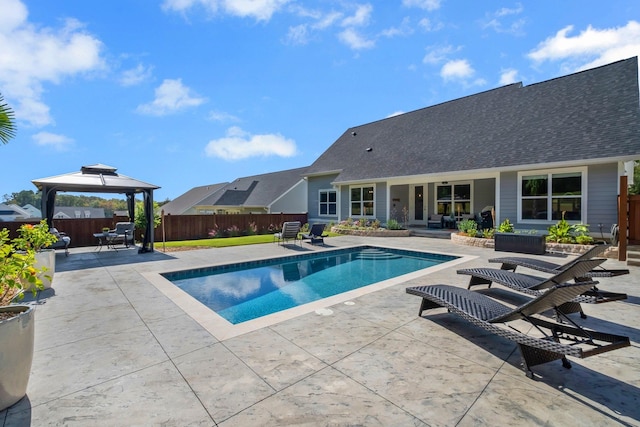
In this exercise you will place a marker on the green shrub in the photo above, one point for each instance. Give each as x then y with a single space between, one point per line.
563 232
393 224
488 233
506 227
468 226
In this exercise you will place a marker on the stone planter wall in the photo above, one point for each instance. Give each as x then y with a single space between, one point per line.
557 248
380 232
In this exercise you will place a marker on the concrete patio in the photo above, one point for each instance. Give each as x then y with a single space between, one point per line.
115 346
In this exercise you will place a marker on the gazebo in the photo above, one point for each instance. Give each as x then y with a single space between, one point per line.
99 178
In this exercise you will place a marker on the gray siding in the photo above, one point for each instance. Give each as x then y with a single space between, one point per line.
314 185
602 197
508 198
401 193
381 202
294 201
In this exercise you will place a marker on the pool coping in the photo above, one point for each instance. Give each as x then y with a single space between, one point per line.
222 329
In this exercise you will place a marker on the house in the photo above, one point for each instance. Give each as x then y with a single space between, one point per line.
13 212
185 204
284 191
531 152
71 212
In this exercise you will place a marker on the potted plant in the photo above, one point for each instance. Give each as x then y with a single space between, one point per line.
17 267
37 238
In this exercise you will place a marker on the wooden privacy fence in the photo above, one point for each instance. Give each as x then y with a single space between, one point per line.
176 227
193 227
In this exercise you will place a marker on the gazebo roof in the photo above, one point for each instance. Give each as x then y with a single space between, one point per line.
96 178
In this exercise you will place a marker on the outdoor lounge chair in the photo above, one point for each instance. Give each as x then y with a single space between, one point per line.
558 340
533 285
289 231
63 240
510 263
123 232
315 234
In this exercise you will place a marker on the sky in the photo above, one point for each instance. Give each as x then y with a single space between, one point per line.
185 93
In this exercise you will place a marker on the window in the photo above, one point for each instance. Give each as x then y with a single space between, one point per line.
362 201
545 196
456 196
328 202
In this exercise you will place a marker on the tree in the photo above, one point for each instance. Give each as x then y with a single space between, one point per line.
7 122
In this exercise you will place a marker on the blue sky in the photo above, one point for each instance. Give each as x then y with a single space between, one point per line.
183 93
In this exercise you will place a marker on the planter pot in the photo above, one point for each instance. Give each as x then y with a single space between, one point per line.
534 244
45 258
16 353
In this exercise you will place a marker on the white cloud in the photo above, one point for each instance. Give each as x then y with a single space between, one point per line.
508 76
438 54
171 96
57 142
361 16
496 20
427 25
458 69
298 35
221 116
591 48
422 4
135 75
403 30
238 144
354 40
32 56
261 10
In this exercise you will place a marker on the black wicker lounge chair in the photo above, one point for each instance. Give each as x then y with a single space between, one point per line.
316 234
534 285
510 263
558 340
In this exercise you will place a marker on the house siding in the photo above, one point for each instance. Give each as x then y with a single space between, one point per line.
602 197
314 185
484 191
509 199
294 201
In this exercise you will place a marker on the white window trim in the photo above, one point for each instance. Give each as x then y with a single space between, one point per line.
328 190
583 170
374 200
451 183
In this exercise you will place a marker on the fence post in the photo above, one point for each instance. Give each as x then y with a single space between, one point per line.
623 215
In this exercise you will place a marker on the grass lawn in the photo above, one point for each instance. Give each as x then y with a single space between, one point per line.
220 242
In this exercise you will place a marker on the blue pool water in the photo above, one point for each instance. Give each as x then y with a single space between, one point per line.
246 291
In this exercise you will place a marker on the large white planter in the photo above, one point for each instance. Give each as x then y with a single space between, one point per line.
45 258
16 353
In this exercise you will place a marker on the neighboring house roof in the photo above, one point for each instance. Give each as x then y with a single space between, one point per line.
12 212
33 211
580 118
191 198
257 190
77 212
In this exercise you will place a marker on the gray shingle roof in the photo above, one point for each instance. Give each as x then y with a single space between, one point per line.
257 190
186 201
589 115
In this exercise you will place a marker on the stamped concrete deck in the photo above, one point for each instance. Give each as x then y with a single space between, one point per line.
115 347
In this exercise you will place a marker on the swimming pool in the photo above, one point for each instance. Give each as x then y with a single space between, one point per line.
249 290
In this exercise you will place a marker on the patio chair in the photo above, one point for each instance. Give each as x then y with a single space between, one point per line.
434 221
557 341
289 231
316 234
123 232
63 240
534 285
510 263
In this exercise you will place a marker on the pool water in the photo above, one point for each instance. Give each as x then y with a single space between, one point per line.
246 291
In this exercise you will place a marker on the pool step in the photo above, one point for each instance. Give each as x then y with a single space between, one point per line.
374 254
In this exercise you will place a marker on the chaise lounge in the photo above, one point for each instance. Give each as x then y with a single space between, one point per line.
533 285
289 231
557 340
316 234
510 263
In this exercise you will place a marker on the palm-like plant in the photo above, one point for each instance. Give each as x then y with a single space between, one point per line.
7 122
